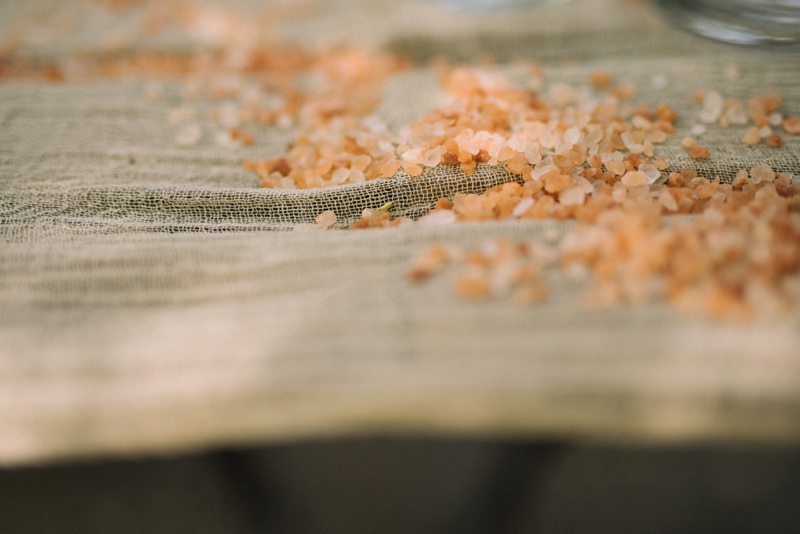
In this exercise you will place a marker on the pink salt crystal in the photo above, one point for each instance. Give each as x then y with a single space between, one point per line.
619 193
516 164
572 135
415 169
742 177
562 94
640 123
735 113
698 130
627 138
661 163
585 184
412 155
593 137
766 192
791 125
506 153
429 262
666 199
541 170
712 107
522 207
360 163
563 147
650 171
774 140
438 217
340 175
656 136
714 215
762 173
473 282
617 167
532 153
634 179
326 219
752 137
572 196
548 139
516 142
625 90
432 157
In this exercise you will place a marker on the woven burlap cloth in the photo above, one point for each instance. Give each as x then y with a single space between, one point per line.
151 300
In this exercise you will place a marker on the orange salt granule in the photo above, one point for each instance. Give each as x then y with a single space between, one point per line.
634 179
728 262
428 263
695 151
326 219
379 218
751 137
774 141
473 285
600 78
791 125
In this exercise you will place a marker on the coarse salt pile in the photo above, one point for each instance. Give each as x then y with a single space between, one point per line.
761 111
737 258
486 120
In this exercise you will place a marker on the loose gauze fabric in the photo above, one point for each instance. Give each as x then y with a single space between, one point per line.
154 298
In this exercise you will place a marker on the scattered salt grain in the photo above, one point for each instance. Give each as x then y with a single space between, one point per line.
438 217
572 135
225 139
713 105
619 193
774 141
751 137
572 196
432 157
412 155
791 125
698 130
650 171
666 199
428 262
522 207
326 219
762 173
634 179
340 175
735 113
